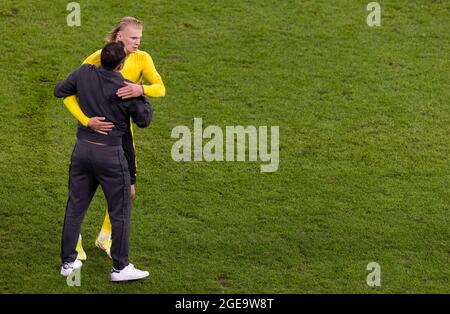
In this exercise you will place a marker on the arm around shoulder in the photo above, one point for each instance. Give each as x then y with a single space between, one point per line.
68 86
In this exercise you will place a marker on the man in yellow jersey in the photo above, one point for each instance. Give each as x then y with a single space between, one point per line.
138 66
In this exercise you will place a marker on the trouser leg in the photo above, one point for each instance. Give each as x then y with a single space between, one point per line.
82 187
114 177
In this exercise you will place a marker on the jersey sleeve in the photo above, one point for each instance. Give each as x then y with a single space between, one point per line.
156 87
94 59
72 105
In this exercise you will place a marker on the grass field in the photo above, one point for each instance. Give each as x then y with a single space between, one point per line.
364 143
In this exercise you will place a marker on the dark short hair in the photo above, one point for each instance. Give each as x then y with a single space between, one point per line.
112 55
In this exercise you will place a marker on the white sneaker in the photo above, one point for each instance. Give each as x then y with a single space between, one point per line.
128 273
68 268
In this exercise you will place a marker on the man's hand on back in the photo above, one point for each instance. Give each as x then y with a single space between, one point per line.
98 125
129 91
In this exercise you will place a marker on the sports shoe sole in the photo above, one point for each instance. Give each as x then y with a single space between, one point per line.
130 279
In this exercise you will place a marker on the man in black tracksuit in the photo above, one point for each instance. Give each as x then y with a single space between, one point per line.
99 159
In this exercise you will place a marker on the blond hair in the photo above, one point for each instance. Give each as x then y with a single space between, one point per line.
125 21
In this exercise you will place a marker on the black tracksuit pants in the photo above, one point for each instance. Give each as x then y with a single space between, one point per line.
92 165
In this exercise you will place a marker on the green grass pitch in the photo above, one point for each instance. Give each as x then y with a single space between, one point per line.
364 122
